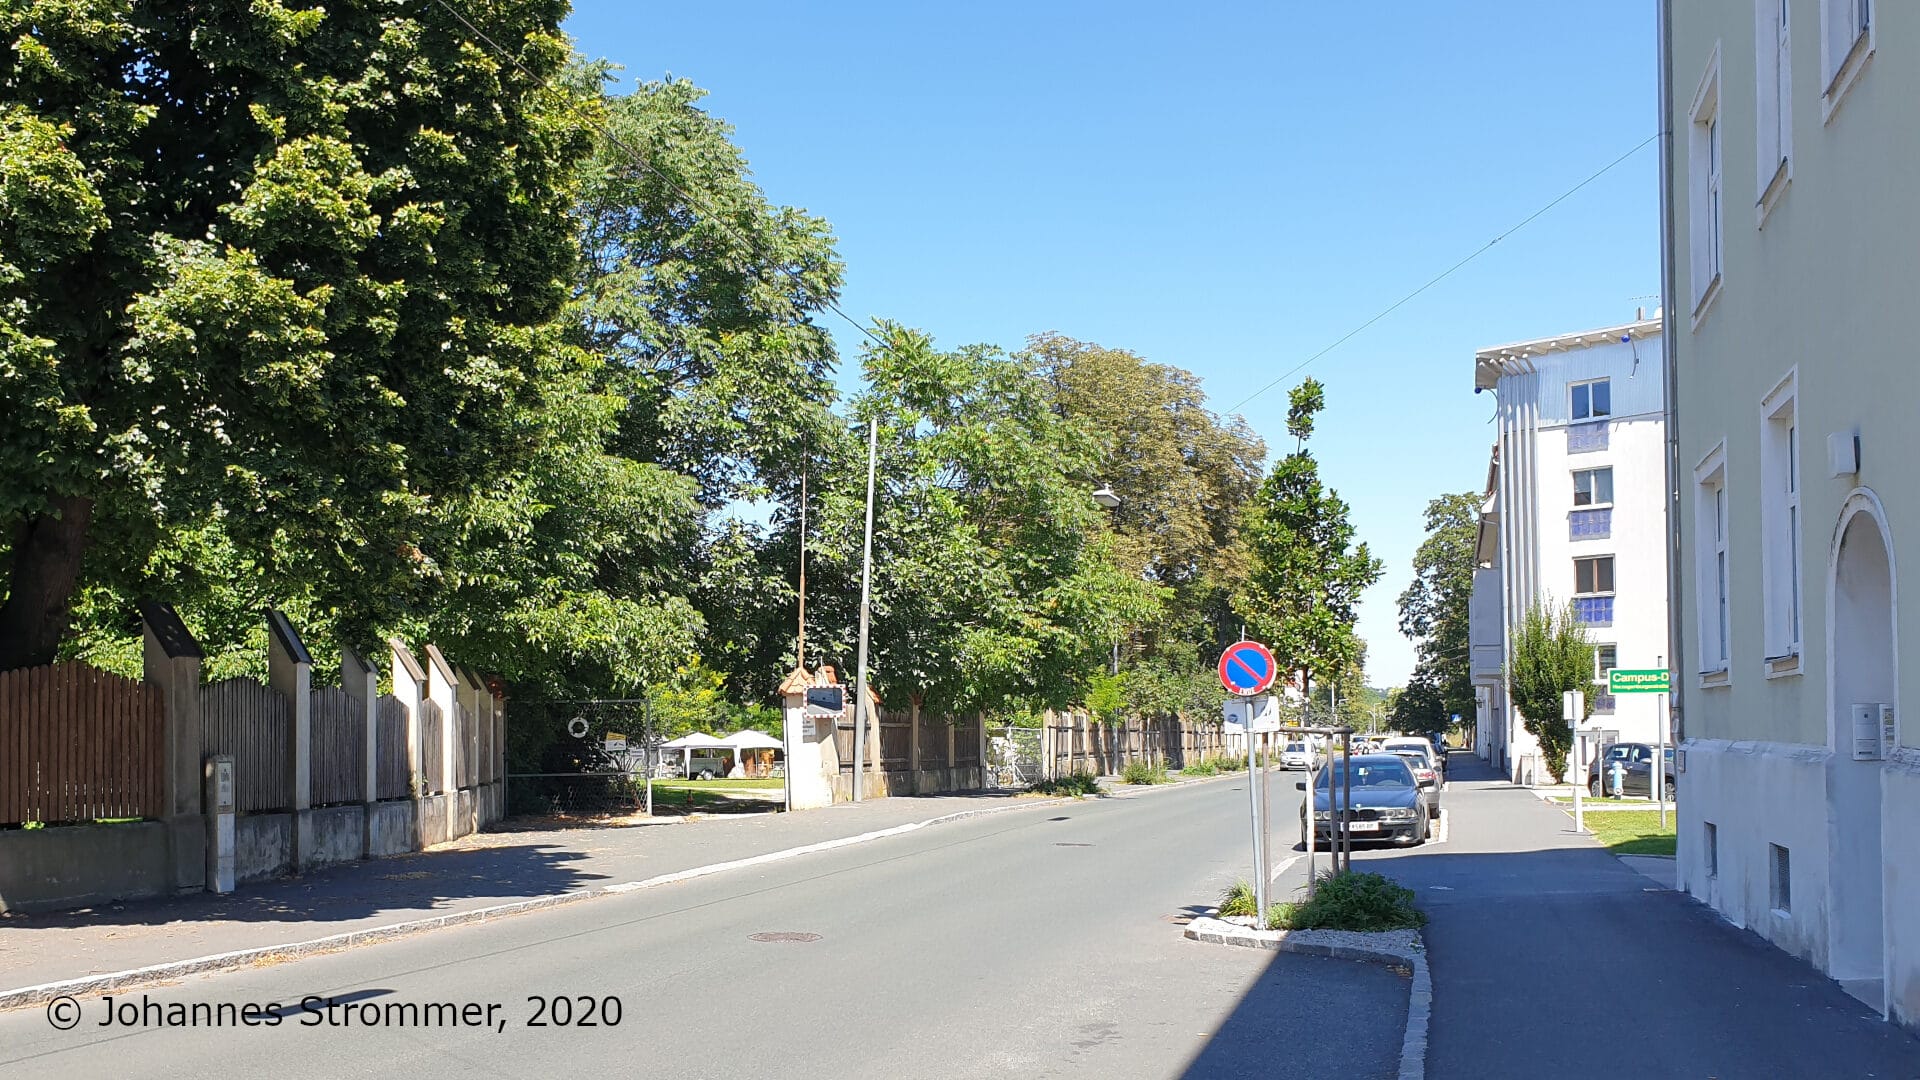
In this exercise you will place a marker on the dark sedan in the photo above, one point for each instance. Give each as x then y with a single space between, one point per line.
1637 761
1386 802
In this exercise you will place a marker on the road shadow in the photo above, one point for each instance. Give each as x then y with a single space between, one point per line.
422 881
1309 1016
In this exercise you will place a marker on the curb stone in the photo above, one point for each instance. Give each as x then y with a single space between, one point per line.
25 996
1413 1042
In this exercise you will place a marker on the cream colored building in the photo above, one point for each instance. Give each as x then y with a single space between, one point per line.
1793 250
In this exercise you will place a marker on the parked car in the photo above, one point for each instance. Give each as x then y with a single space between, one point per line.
1436 756
1296 755
1420 760
706 766
1386 801
1638 759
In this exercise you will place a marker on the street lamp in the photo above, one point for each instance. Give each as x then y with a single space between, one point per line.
1105 497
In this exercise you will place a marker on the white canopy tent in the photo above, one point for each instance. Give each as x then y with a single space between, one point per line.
687 744
750 739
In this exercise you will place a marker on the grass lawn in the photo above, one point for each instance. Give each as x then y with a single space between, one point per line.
1633 832
772 783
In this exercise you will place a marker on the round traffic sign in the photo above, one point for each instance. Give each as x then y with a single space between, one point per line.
1247 668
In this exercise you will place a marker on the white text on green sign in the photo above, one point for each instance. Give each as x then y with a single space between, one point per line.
1640 681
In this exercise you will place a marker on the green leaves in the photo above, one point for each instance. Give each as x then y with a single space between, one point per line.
1307 573
1433 611
1550 654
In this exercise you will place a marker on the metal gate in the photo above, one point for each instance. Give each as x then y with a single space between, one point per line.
1013 756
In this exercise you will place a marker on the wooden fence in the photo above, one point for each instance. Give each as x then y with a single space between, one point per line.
464 724
966 742
79 744
1074 744
390 716
338 738
253 723
432 747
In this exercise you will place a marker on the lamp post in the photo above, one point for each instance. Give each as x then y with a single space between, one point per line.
1104 495
861 708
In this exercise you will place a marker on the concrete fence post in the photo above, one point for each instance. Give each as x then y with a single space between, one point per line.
170 660
441 691
410 687
914 752
290 671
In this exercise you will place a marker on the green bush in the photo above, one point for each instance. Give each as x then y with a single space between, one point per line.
1351 901
1080 783
1142 772
1214 765
1238 900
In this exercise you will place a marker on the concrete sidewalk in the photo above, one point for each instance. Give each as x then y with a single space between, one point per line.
477 872
1550 955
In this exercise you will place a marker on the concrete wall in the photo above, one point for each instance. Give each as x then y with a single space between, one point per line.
390 829
262 846
1754 794
77 866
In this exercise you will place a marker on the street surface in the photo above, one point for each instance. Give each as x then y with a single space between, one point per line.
1039 942
1043 941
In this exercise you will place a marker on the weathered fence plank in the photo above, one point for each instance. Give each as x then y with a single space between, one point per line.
432 746
253 723
339 737
78 744
391 718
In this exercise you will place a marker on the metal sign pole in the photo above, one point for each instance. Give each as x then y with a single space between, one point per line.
862 709
1657 768
1572 705
1253 807
1346 801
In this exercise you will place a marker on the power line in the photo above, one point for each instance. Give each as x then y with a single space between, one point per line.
1444 274
646 162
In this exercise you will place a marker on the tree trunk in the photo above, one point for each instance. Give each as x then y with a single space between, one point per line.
46 570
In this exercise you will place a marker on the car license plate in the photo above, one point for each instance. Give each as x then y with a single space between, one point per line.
1364 826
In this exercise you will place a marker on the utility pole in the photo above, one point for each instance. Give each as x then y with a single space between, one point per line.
862 708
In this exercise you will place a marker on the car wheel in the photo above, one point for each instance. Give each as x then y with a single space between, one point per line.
1593 788
706 774
1671 793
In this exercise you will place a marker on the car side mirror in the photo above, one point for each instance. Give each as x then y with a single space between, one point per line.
1299 785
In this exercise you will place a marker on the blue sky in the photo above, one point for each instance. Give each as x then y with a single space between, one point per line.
1224 187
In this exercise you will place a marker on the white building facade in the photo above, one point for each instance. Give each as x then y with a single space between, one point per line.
1792 249
1576 513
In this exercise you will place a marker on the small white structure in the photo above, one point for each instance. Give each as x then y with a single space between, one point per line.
689 745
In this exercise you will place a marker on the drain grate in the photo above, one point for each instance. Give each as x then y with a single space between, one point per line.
783 935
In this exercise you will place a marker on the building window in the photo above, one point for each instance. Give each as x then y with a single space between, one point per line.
1846 41
1780 879
1780 525
1593 487
1593 576
1593 590
1712 848
1592 400
1703 175
1605 659
1773 113
1710 562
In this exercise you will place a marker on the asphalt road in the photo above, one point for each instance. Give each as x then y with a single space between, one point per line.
1040 942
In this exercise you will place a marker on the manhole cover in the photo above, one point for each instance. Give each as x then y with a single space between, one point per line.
784 935
1069 844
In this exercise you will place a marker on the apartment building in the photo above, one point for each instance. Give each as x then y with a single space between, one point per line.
1575 512
1793 246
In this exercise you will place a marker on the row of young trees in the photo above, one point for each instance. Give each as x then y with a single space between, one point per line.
343 312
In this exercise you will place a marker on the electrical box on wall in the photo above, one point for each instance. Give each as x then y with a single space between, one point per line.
1886 731
1843 453
1868 740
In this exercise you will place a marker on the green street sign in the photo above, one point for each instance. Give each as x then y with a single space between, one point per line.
1636 681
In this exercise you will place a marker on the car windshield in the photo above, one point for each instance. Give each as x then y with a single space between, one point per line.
1370 774
1296 748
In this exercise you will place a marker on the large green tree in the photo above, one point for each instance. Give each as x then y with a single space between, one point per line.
1307 572
1183 475
294 290
1433 609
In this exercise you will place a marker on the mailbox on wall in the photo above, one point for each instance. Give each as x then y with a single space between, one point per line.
1872 731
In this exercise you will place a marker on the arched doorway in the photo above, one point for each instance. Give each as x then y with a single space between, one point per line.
1861 651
